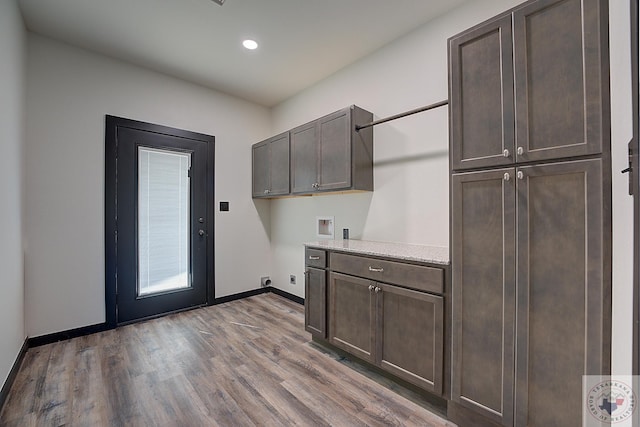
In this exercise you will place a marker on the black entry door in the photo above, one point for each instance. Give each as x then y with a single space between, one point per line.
163 199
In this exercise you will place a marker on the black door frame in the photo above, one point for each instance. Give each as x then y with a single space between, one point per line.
112 123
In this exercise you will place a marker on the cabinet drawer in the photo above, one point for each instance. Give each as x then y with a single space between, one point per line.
408 275
315 258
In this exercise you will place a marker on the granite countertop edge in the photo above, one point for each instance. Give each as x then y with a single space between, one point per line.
402 251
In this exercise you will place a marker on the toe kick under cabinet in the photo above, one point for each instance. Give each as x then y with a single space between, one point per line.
388 312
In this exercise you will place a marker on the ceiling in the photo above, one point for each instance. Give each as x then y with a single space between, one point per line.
301 41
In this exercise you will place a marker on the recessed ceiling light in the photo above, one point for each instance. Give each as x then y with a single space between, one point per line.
250 44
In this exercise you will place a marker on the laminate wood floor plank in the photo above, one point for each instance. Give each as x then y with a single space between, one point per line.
54 408
329 409
243 363
221 407
271 390
88 406
259 411
23 399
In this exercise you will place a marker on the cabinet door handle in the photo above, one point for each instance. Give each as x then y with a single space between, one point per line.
520 151
377 289
506 153
507 177
376 270
520 175
266 191
371 288
314 258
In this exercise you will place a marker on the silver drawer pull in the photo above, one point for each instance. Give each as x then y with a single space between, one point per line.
376 270
314 258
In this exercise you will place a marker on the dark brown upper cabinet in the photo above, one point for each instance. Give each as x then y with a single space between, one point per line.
529 85
328 154
270 164
481 96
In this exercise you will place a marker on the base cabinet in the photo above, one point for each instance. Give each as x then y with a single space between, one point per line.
531 298
483 292
563 306
352 314
397 329
315 287
315 302
409 335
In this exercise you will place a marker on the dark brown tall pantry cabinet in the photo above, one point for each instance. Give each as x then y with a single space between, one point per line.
530 213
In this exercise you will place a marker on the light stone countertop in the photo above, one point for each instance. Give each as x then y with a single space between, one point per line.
402 251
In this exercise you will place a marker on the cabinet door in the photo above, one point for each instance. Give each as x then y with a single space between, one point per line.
481 96
352 315
279 165
260 169
561 78
304 158
563 306
483 292
410 336
335 151
315 297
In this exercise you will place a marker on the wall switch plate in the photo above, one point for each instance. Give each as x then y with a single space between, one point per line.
292 279
345 233
224 206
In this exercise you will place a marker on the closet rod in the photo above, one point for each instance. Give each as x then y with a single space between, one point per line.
407 113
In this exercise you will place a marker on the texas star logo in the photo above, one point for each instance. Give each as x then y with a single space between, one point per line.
611 401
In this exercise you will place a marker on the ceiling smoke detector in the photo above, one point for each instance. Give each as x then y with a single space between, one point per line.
220 2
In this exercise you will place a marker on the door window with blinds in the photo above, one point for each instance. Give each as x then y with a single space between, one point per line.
163 221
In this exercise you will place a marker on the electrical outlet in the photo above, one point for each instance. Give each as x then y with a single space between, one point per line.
292 279
265 281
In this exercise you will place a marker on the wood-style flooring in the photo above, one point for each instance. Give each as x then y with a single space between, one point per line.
243 363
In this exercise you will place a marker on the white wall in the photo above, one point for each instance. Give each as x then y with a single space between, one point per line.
69 91
12 66
410 201
621 134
